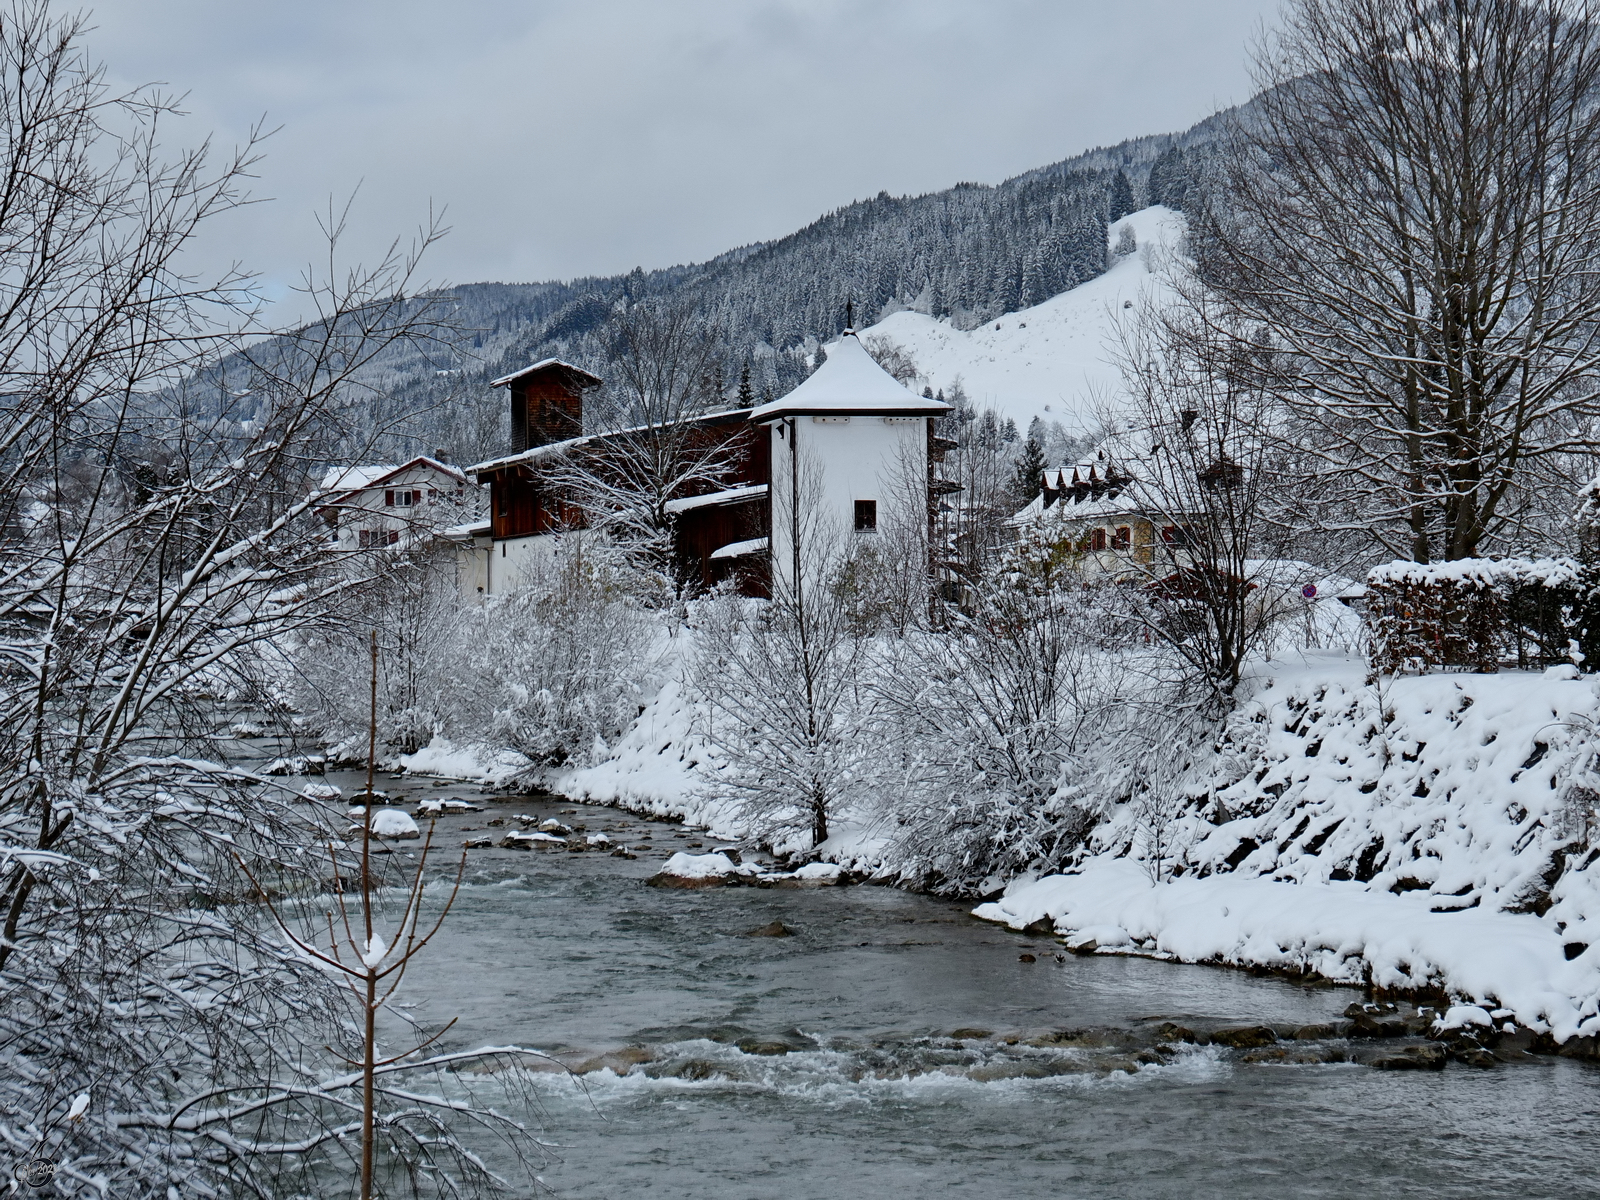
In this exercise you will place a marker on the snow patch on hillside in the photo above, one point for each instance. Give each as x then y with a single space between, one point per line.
1053 360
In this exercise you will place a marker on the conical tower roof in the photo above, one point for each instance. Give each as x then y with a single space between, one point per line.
850 382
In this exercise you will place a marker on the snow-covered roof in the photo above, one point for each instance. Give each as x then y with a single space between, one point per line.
462 533
740 549
534 454
586 378
345 480
350 478
552 449
850 381
730 496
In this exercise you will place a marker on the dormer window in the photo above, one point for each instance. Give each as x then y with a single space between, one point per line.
866 516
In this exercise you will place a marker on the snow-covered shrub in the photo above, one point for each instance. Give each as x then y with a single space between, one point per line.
780 702
994 724
555 670
545 670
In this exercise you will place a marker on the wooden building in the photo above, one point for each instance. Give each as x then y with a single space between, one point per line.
723 521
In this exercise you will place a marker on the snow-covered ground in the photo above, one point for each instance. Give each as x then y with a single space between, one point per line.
1053 360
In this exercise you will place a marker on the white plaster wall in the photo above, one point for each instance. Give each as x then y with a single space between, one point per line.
511 559
472 567
866 458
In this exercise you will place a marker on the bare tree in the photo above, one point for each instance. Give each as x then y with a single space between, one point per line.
1411 207
779 678
649 446
372 965
154 540
1203 466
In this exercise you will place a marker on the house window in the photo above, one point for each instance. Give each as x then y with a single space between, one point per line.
1121 539
866 516
364 538
1097 539
407 498
393 538
1175 535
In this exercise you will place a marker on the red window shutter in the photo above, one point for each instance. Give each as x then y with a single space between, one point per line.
388 498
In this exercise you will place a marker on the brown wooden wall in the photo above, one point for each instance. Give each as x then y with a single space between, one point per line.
544 410
704 530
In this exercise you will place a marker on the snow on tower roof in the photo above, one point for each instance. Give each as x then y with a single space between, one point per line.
584 378
850 381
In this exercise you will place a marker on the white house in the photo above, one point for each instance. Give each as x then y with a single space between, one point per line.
849 451
390 505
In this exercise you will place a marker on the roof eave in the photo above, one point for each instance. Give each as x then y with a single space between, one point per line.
769 414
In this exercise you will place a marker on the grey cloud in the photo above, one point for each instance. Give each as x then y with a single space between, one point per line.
572 138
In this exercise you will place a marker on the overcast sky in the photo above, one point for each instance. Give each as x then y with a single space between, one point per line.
573 137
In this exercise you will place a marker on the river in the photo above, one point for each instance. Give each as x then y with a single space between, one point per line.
1042 1095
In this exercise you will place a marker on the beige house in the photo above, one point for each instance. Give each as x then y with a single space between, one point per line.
1111 528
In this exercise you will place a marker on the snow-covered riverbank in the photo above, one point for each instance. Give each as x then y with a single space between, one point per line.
1425 834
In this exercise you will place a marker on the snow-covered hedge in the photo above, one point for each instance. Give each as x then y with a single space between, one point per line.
1476 613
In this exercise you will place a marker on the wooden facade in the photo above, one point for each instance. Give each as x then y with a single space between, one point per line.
546 403
547 407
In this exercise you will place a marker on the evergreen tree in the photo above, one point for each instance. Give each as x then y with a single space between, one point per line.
1169 179
1119 200
819 358
1028 477
988 430
747 395
1008 431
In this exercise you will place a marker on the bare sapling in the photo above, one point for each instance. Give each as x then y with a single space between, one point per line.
780 678
372 966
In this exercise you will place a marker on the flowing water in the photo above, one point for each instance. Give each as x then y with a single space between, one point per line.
826 1063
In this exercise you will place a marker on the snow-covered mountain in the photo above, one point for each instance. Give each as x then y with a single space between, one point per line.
1054 360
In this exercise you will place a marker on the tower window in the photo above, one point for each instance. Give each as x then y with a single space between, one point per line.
866 515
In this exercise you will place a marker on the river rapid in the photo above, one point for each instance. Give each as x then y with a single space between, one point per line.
892 1045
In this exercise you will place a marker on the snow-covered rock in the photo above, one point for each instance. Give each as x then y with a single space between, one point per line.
530 840
321 791
696 870
394 824
434 808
